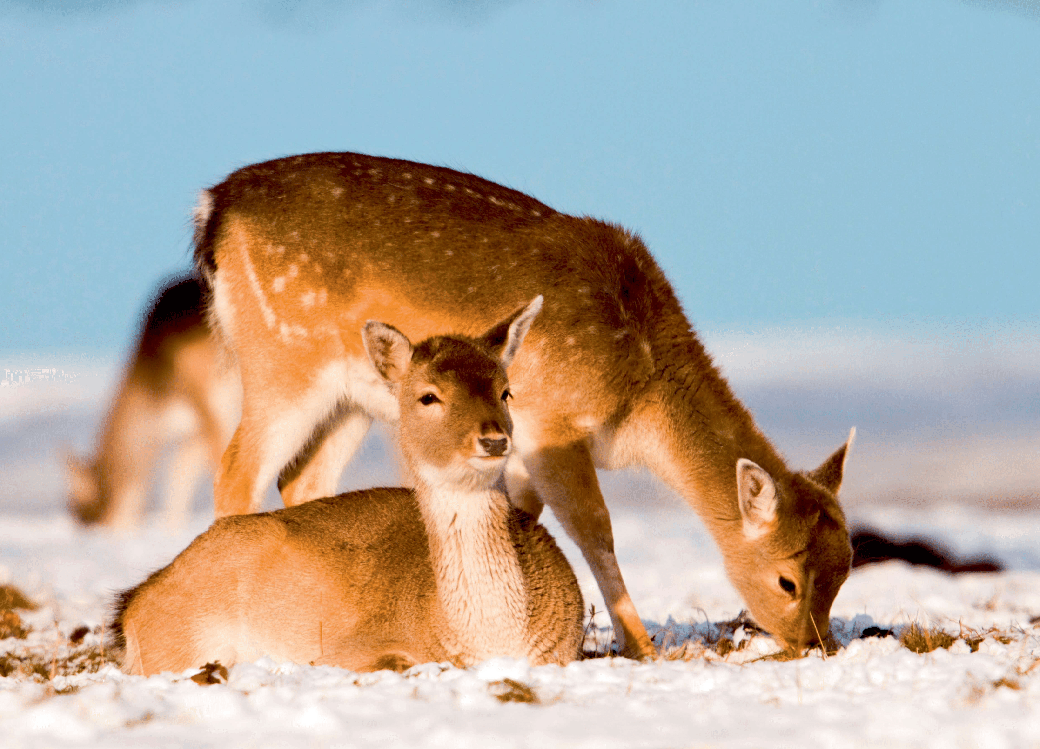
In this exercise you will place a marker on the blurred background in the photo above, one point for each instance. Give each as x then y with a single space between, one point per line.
845 195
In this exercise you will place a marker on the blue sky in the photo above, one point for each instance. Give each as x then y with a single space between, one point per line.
796 163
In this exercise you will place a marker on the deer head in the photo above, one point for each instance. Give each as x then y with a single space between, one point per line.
453 392
794 552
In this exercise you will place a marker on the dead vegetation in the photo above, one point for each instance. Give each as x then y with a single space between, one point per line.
11 598
11 624
511 690
41 666
65 656
918 639
211 673
923 639
719 640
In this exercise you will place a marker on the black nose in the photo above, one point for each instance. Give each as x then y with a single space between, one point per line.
494 447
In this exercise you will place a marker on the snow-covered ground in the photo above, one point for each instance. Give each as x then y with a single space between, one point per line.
948 448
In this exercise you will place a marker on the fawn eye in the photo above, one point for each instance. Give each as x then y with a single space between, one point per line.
428 399
506 395
788 585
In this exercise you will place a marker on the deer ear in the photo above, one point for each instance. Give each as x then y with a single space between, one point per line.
388 348
832 470
504 339
756 496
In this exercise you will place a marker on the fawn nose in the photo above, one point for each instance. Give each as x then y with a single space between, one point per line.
494 447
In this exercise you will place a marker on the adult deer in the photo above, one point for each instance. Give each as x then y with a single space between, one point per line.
301 251
175 392
380 578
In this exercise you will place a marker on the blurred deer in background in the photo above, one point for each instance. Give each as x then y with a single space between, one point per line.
301 251
176 392
380 578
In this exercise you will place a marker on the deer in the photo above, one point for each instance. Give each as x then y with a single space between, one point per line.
176 391
380 578
299 251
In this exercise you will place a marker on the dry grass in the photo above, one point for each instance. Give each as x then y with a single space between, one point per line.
11 598
923 639
1008 682
586 653
720 642
511 690
918 639
11 626
42 667
211 673
64 657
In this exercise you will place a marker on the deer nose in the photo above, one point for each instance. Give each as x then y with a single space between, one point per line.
494 447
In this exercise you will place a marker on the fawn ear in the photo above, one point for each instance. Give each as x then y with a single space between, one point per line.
388 348
832 470
504 338
756 497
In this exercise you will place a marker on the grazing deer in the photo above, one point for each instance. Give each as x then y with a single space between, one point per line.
301 251
380 578
175 391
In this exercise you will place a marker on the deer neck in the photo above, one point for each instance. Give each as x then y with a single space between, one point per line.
480 584
691 430
124 442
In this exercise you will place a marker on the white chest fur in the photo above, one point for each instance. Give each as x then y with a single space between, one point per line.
479 581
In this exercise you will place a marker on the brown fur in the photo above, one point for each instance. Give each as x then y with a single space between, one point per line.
372 579
176 364
302 250
334 539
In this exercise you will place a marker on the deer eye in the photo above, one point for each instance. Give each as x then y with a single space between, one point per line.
506 395
788 586
428 399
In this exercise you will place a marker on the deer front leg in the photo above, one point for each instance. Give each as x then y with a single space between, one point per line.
565 479
316 471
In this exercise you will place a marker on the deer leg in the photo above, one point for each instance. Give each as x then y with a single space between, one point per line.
134 436
565 477
215 407
264 443
189 461
520 487
316 471
127 504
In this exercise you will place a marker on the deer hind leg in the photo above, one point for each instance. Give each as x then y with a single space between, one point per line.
127 504
316 470
565 477
189 461
521 489
265 442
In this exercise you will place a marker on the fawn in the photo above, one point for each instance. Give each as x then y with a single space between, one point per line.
176 390
302 250
380 578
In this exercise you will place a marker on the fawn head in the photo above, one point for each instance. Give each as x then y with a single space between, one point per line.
796 551
455 426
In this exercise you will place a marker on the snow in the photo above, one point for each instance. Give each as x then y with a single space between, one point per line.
872 692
